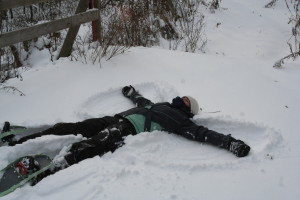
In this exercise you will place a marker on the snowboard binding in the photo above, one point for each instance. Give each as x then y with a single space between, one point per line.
7 128
27 169
7 135
27 166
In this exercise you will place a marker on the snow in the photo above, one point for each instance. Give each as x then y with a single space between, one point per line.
257 103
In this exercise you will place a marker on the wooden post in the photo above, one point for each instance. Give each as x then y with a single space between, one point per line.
98 22
94 23
73 23
96 26
72 33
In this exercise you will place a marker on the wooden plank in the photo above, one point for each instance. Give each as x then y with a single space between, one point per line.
8 4
72 32
98 23
45 28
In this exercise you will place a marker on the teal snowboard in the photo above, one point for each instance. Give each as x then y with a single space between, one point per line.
14 175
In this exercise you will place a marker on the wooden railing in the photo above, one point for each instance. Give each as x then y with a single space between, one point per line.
82 15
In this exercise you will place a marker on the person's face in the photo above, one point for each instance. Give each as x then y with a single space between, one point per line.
186 101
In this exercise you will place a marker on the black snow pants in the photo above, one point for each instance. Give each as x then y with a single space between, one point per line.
108 133
103 135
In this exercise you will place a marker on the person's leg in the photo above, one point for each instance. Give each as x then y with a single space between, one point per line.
107 140
87 128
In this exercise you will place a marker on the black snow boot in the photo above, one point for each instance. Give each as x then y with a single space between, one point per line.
6 128
239 148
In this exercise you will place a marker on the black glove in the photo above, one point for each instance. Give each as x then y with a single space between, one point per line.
128 90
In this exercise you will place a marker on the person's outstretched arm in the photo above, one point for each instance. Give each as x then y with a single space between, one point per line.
136 97
203 134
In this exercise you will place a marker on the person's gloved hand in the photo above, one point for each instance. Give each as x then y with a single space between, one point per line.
128 90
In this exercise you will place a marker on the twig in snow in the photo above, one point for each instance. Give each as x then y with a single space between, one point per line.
12 89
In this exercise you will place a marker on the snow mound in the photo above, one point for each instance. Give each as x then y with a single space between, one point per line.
142 159
50 145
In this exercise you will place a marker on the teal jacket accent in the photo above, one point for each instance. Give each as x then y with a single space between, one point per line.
138 121
148 116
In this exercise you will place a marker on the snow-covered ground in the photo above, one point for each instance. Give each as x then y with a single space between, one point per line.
256 103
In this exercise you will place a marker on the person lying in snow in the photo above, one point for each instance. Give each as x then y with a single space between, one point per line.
108 133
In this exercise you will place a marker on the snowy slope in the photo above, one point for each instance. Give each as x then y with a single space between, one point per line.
257 103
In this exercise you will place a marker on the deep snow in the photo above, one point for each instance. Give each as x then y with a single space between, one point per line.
256 103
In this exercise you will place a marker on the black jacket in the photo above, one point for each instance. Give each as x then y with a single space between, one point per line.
173 120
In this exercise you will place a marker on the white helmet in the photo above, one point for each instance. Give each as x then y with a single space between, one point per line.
194 105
